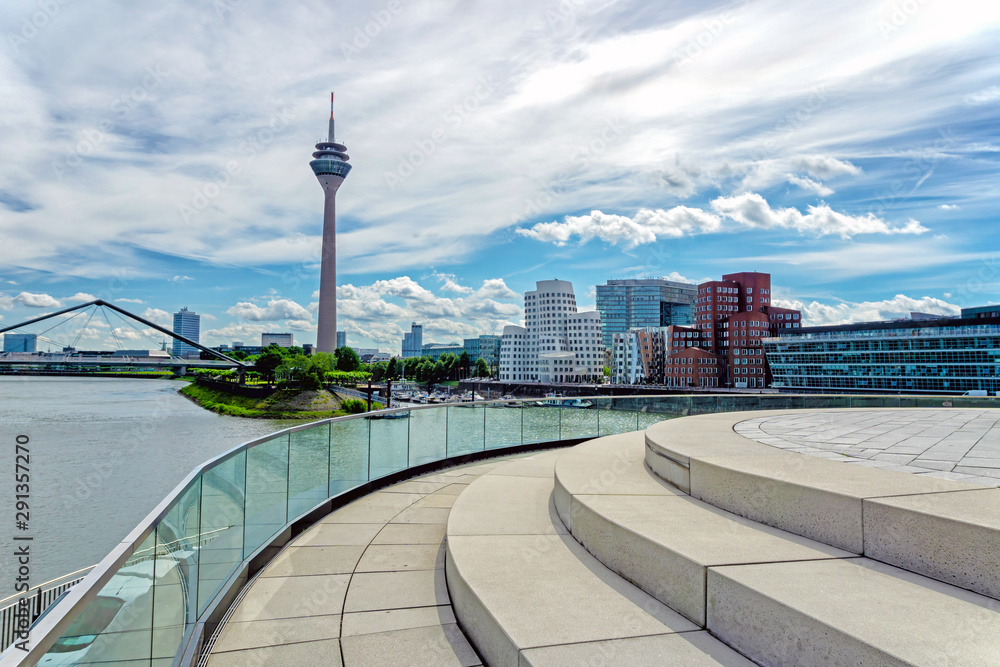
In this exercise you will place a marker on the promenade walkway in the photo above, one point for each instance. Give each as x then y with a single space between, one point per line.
364 587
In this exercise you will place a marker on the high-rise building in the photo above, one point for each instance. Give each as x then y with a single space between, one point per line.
341 339
557 344
413 342
734 315
330 166
13 342
187 324
648 302
279 339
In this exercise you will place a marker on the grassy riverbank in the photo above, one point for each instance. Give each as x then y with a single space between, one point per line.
282 404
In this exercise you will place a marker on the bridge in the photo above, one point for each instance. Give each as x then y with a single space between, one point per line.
69 362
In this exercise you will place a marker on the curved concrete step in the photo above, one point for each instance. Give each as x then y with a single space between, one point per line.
944 529
655 536
774 596
526 593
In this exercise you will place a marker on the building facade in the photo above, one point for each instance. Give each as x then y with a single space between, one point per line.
981 312
944 356
187 324
639 356
485 347
734 316
279 339
436 350
413 342
642 303
557 344
13 342
692 367
341 339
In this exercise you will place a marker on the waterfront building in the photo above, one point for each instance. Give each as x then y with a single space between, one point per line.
413 342
648 302
638 356
341 339
485 347
557 344
13 342
980 312
734 315
279 339
943 356
692 367
331 168
187 324
436 350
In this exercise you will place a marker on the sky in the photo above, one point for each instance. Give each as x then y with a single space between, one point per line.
157 156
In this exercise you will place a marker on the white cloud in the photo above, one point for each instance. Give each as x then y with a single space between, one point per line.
984 96
748 211
825 166
36 300
449 283
157 316
81 297
752 211
276 309
949 207
130 300
645 227
810 185
180 279
816 313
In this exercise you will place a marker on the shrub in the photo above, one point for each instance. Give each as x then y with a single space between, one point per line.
353 406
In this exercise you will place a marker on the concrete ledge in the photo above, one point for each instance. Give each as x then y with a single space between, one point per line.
953 537
849 612
812 497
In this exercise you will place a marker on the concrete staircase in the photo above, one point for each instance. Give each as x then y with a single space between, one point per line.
690 545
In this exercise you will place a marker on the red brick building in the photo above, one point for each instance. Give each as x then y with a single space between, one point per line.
734 314
692 367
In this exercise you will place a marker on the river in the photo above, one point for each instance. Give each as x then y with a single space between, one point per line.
103 453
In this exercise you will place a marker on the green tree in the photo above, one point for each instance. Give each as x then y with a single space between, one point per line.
392 369
347 359
482 368
267 362
464 363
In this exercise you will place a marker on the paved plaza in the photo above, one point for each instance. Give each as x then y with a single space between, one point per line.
961 445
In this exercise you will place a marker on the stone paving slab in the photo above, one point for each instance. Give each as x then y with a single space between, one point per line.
387 620
684 649
291 597
258 634
402 557
305 654
428 646
312 560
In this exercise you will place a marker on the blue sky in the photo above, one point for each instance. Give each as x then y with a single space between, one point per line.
157 156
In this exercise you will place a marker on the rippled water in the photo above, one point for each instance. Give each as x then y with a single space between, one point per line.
104 452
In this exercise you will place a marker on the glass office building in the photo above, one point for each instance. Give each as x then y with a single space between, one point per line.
187 324
944 356
649 302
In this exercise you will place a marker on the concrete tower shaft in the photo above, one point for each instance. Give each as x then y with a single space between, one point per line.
331 168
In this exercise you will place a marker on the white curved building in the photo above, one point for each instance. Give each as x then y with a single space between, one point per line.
557 342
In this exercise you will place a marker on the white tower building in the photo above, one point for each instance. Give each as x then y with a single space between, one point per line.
557 344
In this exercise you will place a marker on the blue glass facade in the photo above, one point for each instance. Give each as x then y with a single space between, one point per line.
631 303
947 356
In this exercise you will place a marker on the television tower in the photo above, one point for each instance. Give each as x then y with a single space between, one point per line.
330 166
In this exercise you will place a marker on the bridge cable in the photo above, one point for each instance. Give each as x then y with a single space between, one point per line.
85 325
113 333
59 323
141 332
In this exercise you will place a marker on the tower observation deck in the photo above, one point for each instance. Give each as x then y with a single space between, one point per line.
331 168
